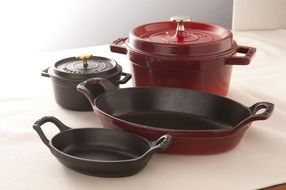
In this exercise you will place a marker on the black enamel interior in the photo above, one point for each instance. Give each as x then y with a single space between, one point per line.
100 144
171 108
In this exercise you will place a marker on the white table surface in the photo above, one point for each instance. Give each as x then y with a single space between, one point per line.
258 161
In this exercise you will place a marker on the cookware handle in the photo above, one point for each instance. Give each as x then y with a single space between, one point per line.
269 107
37 126
126 78
117 46
241 60
45 72
85 87
159 145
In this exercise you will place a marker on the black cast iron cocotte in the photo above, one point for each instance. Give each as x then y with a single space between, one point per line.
67 73
100 151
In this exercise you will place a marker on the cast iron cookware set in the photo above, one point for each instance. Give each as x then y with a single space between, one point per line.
181 71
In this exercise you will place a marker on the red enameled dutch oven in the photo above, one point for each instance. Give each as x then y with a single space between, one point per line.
184 54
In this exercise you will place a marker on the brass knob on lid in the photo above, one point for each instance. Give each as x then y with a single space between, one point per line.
84 58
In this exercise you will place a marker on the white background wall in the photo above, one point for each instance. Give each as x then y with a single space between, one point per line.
61 24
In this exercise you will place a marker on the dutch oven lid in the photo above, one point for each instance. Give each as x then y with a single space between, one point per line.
86 66
181 36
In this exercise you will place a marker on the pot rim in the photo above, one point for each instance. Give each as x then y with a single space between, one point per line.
74 80
55 72
224 54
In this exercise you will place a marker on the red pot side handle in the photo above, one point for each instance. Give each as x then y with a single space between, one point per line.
117 46
241 60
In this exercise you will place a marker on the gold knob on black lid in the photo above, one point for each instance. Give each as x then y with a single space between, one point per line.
84 58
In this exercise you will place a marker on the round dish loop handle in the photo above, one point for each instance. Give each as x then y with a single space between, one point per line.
85 87
37 126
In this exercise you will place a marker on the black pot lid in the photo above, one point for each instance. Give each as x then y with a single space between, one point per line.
84 67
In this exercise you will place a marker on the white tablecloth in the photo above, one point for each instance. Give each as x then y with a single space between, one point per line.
258 161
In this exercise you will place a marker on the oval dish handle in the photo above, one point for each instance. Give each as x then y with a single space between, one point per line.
37 126
85 87
269 107
254 116
160 144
